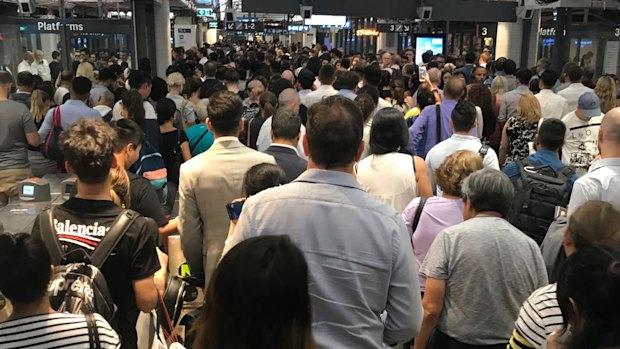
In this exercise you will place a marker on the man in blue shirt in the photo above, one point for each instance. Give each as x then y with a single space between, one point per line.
548 142
73 109
423 132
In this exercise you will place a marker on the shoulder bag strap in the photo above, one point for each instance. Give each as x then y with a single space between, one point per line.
93 332
438 122
193 147
112 238
418 213
49 237
57 117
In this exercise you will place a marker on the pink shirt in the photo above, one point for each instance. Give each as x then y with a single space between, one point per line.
438 214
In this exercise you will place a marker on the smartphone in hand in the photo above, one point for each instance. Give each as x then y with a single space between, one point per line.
422 73
234 209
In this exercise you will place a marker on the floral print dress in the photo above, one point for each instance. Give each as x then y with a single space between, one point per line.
519 135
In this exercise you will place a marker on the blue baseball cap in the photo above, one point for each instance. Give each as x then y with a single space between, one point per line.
590 105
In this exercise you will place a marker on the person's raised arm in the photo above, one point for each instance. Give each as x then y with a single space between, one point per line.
416 132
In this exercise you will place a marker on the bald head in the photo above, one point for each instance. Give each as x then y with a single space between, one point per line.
288 75
434 75
289 98
609 134
454 89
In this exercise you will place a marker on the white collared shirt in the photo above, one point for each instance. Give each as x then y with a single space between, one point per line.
572 94
285 146
225 139
601 183
318 95
553 106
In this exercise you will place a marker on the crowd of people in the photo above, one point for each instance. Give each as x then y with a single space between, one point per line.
325 200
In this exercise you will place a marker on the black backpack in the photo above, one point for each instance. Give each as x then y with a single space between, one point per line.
51 147
538 192
80 287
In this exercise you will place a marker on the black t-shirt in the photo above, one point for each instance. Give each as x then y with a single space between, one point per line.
144 199
81 224
170 150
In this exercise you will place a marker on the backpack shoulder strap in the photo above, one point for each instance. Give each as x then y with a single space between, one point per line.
193 147
418 213
438 122
49 237
93 332
57 120
113 237
568 172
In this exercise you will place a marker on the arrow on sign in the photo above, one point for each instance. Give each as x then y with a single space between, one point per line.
406 28
230 26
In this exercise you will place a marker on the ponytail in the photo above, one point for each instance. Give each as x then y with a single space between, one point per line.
133 102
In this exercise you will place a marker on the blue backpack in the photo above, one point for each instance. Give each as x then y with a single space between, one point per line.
151 166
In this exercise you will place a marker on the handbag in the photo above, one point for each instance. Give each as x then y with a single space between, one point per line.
51 147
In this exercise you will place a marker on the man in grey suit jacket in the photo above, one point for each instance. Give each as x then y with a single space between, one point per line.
210 181
285 134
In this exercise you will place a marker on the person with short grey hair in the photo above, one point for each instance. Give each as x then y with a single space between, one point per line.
495 262
288 99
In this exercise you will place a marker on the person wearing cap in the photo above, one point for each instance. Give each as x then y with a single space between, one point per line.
582 127
305 83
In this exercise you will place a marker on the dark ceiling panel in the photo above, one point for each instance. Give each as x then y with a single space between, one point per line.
394 9
473 10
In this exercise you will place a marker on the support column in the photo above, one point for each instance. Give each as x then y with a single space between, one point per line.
144 28
161 11
561 46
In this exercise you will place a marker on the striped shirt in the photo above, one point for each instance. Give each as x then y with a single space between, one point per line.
539 316
55 330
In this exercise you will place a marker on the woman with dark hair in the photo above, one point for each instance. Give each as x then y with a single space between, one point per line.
132 108
390 173
588 290
481 96
258 299
268 103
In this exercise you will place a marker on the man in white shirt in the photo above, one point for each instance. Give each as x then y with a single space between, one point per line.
551 105
288 99
65 87
26 63
141 82
603 180
305 82
572 93
40 66
105 103
463 121
582 129
327 77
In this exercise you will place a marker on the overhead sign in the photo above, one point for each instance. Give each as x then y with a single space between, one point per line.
367 32
275 25
394 28
297 28
245 26
213 25
204 12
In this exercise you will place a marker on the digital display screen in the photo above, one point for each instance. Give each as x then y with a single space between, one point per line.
426 43
28 190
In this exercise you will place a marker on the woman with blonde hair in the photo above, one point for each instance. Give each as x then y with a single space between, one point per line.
607 92
40 103
186 116
86 70
499 87
520 131
425 217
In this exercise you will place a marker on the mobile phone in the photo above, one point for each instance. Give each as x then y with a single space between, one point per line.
422 73
234 209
